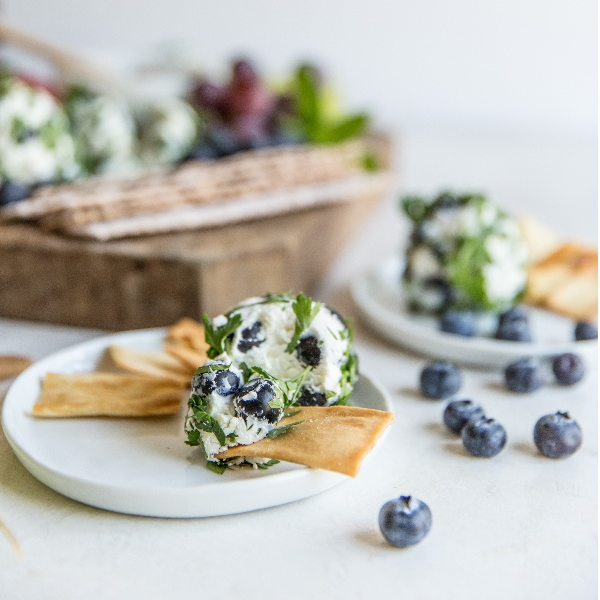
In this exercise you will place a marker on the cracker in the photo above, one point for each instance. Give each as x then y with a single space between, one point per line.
334 438
189 333
191 357
106 394
155 364
12 365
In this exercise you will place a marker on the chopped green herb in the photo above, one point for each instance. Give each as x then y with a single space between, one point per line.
281 430
269 463
218 467
216 336
305 311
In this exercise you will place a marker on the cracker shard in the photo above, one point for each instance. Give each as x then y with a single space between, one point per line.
334 438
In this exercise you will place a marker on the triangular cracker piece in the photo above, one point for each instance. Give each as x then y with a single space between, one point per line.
191 357
11 366
106 394
189 333
335 438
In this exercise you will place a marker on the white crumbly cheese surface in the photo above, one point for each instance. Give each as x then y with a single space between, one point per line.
35 142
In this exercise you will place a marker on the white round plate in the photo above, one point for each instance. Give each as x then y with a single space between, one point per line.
142 466
378 295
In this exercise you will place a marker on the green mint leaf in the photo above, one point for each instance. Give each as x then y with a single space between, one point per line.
415 208
209 424
193 438
274 433
338 132
307 100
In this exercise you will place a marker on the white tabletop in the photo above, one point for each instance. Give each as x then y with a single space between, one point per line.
514 526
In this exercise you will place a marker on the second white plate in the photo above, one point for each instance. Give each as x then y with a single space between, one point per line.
378 295
142 466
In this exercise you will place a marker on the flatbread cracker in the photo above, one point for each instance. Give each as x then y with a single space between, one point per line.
334 438
155 364
190 357
106 394
189 333
12 365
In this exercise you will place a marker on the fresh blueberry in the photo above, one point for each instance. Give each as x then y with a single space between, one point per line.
584 330
308 351
557 435
459 322
251 336
223 381
440 380
404 521
203 151
311 398
483 437
223 141
12 191
252 399
459 412
568 368
514 313
524 376
516 330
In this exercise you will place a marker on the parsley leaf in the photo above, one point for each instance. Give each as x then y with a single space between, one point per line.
305 312
267 464
216 336
281 430
218 467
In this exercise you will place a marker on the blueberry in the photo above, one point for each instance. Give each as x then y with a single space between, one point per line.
223 381
524 376
440 380
568 368
557 435
404 521
251 336
516 330
223 141
459 412
311 398
514 313
12 191
308 351
483 437
459 322
584 330
252 399
203 151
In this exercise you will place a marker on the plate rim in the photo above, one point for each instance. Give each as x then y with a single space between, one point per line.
185 501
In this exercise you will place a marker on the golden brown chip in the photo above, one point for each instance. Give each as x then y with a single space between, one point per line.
154 364
11 365
189 333
335 438
191 357
106 394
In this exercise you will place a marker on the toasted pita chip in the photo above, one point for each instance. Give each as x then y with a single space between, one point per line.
106 394
11 366
335 438
541 241
191 357
189 333
577 297
155 364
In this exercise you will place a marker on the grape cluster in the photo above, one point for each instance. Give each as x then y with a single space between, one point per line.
241 114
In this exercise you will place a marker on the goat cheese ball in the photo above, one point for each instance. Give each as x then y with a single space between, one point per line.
465 253
36 145
265 355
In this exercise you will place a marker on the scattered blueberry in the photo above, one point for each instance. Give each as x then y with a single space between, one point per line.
568 368
252 399
584 330
404 521
12 191
524 376
440 380
514 313
459 322
557 435
308 351
309 397
459 412
251 336
483 437
516 330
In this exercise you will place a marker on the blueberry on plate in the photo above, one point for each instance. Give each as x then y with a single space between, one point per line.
459 322
459 412
524 376
484 437
516 330
557 435
568 368
404 521
584 330
12 191
514 313
439 380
